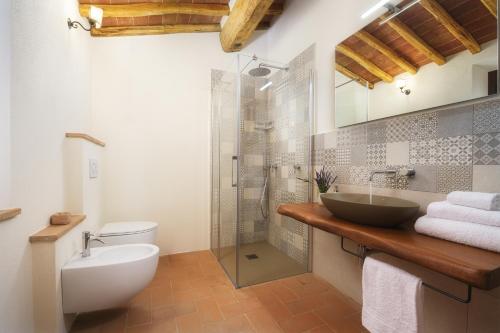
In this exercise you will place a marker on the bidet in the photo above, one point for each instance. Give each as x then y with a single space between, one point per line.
109 277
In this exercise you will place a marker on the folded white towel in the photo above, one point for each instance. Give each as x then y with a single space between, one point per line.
473 234
392 299
446 210
486 201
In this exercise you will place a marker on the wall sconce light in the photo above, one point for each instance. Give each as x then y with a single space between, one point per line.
402 85
95 19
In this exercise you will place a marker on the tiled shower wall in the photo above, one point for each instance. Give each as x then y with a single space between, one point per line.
452 149
253 226
288 152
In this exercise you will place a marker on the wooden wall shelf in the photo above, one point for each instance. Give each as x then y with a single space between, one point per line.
86 137
7 214
54 232
473 266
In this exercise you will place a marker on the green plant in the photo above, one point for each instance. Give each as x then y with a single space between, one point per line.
324 179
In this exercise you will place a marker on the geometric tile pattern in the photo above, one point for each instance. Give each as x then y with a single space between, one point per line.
398 129
424 152
376 154
376 132
423 126
487 149
487 117
455 150
454 178
439 144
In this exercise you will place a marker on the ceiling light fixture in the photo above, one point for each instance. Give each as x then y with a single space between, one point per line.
267 85
376 7
95 19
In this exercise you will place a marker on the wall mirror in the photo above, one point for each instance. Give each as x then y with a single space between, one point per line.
417 55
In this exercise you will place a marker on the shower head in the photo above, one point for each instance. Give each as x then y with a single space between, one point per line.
263 70
259 72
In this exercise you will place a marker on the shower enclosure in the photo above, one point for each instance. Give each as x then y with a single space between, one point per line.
261 157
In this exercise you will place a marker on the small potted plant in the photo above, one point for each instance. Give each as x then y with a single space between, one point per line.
324 179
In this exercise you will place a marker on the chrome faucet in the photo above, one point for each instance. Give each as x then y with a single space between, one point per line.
88 237
385 172
401 172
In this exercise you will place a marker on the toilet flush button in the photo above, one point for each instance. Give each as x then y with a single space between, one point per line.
93 169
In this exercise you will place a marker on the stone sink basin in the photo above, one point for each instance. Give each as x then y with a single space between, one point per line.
382 212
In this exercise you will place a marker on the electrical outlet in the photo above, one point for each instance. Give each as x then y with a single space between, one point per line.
93 169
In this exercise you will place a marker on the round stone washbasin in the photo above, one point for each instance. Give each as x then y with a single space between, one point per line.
382 212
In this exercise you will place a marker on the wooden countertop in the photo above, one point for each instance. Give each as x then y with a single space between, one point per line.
54 232
10 213
477 267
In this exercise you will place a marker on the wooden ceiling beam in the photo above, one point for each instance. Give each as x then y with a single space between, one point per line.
150 9
375 43
414 40
366 63
491 5
244 18
343 70
153 30
458 31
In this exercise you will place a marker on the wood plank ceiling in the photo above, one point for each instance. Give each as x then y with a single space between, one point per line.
150 17
428 32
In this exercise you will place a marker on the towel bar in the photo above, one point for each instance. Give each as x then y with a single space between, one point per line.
363 253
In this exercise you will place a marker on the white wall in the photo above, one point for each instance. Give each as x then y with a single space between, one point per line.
50 91
4 104
151 104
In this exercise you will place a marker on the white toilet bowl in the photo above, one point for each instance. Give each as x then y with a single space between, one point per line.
118 233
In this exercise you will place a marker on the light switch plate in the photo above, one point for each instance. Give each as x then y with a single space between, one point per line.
93 168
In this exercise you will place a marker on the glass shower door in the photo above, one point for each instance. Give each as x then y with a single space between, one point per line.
224 170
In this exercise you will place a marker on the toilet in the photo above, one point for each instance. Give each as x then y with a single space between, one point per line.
134 232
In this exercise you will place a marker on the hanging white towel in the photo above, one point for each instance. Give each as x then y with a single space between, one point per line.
446 210
486 201
473 234
392 299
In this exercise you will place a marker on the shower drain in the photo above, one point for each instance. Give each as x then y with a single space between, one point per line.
252 256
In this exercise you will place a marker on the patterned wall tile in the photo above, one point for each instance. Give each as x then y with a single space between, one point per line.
376 154
344 137
454 178
330 157
343 156
376 132
398 129
343 174
487 117
487 149
359 175
455 150
423 126
424 152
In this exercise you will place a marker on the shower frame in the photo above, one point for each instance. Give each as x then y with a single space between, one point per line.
239 167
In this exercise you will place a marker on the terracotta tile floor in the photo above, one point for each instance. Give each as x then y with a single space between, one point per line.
190 293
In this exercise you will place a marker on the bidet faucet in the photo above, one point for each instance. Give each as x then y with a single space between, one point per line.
87 237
